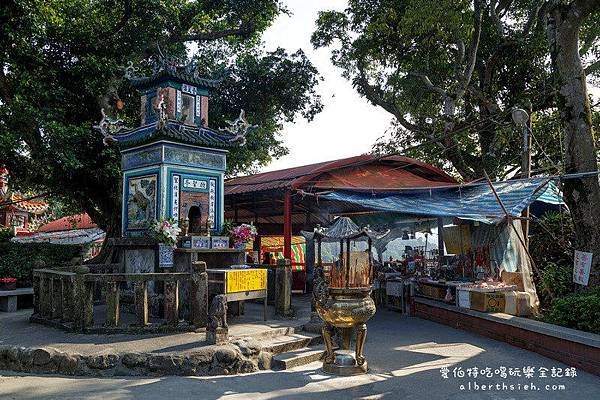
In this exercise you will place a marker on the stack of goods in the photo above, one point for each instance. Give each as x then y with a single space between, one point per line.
492 296
485 296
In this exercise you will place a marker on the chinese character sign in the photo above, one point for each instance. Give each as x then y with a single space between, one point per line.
582 266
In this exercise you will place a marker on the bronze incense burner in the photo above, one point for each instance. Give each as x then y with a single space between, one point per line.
342 297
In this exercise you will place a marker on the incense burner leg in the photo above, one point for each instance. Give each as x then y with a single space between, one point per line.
361 336
327 332
346 336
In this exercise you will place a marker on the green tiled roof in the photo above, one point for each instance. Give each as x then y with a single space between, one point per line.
177 132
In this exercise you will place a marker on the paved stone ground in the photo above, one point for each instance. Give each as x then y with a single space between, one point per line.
15 329
405 356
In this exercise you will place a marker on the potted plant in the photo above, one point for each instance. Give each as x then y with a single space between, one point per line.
241 234
8 283
165 232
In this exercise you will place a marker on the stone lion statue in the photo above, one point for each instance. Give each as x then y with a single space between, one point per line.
217 314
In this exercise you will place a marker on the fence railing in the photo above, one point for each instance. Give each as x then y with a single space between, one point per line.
66 296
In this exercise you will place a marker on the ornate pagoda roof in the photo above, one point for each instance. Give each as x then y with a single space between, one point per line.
175 74
344 228
170 68
175 131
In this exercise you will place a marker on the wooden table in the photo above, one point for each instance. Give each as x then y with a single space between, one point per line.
239 284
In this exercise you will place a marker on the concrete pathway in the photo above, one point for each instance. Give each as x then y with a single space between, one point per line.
406 356
15 329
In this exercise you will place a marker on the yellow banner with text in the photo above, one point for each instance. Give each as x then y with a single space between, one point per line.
245 280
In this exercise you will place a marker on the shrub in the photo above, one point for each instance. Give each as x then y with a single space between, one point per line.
18 260
6 233
579 310
556 280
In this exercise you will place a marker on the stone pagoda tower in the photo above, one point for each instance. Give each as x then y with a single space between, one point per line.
173 164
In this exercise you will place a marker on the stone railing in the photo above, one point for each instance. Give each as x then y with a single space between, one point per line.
65 298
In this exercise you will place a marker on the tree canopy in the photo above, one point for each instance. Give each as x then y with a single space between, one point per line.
450 72
62 60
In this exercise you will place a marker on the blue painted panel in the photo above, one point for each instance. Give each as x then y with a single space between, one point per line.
153 195
142 157
187 156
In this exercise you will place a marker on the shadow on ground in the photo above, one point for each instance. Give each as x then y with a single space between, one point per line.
405 356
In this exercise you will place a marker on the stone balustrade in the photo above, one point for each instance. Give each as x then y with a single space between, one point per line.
64 297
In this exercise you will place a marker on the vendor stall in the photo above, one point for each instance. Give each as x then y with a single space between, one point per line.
481 261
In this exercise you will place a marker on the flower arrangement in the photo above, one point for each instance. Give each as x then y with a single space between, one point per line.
242 233
165 230
8 283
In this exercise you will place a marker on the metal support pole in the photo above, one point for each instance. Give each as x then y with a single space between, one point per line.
440 225
347 263
287 225
526 173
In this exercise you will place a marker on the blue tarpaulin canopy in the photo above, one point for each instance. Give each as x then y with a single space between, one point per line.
474 201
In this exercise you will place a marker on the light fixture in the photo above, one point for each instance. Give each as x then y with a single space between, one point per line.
519 116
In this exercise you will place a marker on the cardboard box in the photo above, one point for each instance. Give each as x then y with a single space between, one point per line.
463 298
517 303
487 302
435 292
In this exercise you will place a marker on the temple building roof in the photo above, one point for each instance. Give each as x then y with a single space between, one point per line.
177 132
18 202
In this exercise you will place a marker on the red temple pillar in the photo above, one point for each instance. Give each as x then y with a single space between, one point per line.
287 225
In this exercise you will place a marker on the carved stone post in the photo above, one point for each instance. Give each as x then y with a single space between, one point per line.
84 299
217 330
199 295
283 288
112 304
36 293
141 302
172 302
68 300
57 306
45 296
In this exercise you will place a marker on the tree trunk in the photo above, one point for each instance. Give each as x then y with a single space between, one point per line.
582 195
109 219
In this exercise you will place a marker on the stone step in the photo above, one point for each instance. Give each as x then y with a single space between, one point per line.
265 334
297 358
287 343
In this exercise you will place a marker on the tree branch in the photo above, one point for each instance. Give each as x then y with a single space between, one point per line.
460 58
587 44
581 9
494 16
127 13
244 30
5 89
472 52
430 86
376 96
533 18
593 67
